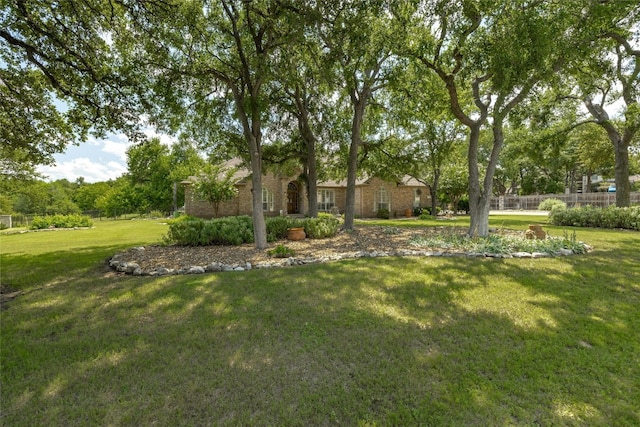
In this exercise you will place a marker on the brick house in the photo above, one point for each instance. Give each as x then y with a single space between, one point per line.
287 195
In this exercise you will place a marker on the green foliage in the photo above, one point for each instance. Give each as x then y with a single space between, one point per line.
60 221
156 214
221 231
550 204
427 212
382 214
277 227
324 226
281 251
216 185
499 244
589 216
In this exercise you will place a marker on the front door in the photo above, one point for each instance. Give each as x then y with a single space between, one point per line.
293 195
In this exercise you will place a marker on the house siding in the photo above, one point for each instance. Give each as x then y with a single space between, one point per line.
401 197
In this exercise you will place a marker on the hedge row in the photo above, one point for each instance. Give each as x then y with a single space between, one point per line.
189 231
60 221
588 216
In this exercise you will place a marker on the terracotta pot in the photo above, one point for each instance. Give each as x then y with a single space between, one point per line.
296 233
408 213
537 230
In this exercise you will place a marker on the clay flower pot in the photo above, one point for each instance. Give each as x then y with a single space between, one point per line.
296 233
537 231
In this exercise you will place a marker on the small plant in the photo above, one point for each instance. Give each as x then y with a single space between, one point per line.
322 227
391 230
156 214
550 204
281 251
382 213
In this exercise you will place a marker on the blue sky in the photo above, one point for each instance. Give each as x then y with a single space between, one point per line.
96 160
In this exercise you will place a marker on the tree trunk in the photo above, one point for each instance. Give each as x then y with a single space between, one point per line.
312 179
311 163
359 102
433 191
623 187
259 225
475 193
175 197
621 151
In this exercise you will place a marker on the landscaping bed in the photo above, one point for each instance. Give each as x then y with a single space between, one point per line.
367 241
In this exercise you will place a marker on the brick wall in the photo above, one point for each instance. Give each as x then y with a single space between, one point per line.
401 197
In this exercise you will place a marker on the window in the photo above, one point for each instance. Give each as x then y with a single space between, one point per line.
326 200
416 197
382 200
267 200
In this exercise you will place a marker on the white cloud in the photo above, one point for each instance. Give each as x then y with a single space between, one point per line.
91 170
117 148
164 139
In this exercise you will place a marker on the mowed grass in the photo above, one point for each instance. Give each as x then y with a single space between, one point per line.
385 341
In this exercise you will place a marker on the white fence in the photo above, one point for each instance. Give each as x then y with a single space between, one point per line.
601 200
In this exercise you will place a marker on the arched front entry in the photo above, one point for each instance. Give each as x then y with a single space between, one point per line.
293 198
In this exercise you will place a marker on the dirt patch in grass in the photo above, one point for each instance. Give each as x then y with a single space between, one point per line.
7 293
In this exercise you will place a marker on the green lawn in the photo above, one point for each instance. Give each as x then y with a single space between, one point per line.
385 341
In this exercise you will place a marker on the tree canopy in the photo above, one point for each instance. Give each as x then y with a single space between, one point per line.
349 79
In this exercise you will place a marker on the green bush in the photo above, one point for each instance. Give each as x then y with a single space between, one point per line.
281 251
156 214
383 213
324 226
550 204
277 227
221 231
588 216
60 221
462 205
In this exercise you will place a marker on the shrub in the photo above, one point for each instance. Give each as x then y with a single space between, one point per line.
156 214
417 211
60 221
322 227
462 205
221 231
382 213
277 227
588 216
281 251
550 204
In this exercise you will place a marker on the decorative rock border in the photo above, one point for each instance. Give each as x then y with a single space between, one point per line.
134 269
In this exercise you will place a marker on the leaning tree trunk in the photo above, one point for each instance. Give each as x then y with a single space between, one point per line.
620 148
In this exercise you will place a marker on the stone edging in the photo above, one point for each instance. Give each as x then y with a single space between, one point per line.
134 269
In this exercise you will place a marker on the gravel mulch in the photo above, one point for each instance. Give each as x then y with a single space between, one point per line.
363 239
